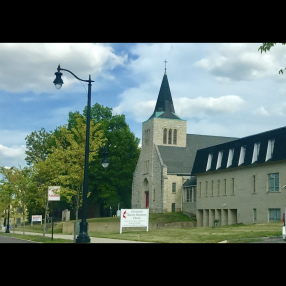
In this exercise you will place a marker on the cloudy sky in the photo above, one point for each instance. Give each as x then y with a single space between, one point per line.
220 89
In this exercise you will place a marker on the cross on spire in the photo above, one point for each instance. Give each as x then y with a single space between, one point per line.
165 64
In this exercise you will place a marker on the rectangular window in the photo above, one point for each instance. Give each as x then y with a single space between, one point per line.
173 207
274 214
191 194
230 157
154 196
187 195
219 158
232 186
254 216
255 152
225 187
254 187
170 137
270 149
209 162
165 136
212 188
242 155
206 188
273 181
218 182
173 187
195 195
175 137
200 189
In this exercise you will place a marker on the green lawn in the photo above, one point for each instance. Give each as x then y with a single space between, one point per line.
231 233
37 238
38 228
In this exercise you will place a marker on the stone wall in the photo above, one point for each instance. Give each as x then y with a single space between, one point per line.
68 227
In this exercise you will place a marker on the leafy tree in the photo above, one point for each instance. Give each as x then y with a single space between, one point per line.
65 164
8 187
266 47
112 185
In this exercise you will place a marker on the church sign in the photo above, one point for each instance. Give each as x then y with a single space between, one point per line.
134 218
53 193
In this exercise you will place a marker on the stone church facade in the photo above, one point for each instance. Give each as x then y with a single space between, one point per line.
166 158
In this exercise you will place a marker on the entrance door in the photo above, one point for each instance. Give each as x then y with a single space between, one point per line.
147 199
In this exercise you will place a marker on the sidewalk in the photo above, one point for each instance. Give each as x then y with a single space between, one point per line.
92 239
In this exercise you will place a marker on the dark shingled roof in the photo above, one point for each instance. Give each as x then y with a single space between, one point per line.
279 151
180 160
164 107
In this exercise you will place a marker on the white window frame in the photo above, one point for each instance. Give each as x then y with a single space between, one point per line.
242 155
270 149
275 177
230 157
209 163
255 152
219 159
274 218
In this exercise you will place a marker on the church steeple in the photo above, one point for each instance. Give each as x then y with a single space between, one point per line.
164 107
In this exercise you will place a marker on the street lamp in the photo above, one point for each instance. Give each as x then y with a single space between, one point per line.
7 224
83 235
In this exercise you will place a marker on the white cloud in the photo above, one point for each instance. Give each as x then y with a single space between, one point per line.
241 61
261 111
12 156
202 106
43 59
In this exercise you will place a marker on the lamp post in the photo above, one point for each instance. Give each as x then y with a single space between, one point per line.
83 235
8 223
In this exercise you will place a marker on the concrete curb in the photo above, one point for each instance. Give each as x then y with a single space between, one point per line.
224 241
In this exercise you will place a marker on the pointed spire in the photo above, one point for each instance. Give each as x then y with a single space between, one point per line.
164 106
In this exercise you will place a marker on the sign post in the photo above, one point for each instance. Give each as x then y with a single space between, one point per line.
134 218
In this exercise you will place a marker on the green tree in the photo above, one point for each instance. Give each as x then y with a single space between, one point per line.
65 164
266 47
112 185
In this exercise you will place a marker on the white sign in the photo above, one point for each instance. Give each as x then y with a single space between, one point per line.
52 196
134 218
36 218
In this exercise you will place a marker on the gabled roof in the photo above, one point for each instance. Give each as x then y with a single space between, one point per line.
179 160
279 151
164 107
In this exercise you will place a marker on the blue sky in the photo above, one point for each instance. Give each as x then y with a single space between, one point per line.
220 89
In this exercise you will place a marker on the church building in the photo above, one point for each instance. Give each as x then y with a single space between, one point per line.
166 159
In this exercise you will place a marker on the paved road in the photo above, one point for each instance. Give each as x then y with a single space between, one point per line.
277 239
5 239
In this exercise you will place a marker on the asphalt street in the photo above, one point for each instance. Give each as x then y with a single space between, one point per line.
5 239
276 239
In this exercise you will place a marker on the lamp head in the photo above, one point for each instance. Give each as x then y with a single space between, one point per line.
105 159
58 80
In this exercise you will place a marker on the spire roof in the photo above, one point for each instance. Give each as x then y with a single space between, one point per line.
164 107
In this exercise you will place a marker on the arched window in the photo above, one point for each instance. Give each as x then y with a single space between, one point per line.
170 137
175 137
165 136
